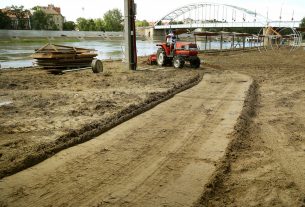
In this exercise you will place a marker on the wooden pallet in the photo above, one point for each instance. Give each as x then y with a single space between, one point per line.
62 57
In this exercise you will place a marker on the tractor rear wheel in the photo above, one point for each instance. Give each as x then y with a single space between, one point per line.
195 62
178 62
161 57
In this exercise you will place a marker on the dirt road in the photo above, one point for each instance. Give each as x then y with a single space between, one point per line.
163 157
267 166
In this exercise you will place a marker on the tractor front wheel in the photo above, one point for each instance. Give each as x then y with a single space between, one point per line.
195 62
161 58
178 62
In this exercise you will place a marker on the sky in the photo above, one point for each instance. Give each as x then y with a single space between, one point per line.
153 10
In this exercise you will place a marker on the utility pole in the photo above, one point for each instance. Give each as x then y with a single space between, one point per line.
130 34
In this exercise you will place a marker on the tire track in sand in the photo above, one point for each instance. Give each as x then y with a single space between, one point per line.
162 157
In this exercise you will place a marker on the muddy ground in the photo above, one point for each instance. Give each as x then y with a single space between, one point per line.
52 112
265 166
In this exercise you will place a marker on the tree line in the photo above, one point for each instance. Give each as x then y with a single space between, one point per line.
112 20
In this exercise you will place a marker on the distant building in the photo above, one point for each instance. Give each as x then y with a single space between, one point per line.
18 21
151 24
188 21
55 13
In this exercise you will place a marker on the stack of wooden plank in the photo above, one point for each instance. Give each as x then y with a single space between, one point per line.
61 57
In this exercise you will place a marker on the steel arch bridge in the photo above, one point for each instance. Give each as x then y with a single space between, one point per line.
214 15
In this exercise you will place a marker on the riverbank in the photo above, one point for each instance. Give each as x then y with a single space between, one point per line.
263 166
56 34
41 114
16 53
25 41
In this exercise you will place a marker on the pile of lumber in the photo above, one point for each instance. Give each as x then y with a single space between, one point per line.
61 57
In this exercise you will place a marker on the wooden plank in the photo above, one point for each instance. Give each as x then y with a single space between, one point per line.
43 47
78 48
62 57
84 55
51 56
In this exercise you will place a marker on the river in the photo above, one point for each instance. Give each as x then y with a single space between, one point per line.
18 55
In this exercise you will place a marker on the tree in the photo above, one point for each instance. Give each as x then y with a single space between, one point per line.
39 19
42 21
5 21
302 23
69 26
143 23
113 20
21 14
82 24
52 25
91 25
99 24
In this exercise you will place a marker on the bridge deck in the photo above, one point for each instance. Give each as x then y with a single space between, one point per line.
231 25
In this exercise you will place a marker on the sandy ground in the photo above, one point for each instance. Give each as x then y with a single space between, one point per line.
52 112
163 157
266 164
159 163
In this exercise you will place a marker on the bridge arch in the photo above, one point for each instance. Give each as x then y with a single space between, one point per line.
212 12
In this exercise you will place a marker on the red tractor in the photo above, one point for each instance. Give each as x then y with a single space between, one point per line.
176 55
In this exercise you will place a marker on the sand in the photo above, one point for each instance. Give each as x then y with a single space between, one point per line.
262 163
48 113
265 166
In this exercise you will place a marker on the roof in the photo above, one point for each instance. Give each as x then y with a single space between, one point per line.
11 15
49 11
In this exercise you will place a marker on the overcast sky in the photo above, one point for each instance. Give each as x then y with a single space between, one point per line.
153 10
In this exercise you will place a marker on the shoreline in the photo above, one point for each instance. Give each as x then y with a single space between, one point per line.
204 52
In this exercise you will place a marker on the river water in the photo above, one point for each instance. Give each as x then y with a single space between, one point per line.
18 55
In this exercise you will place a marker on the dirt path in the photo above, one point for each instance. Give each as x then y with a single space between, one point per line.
163 157
47 113
267 167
